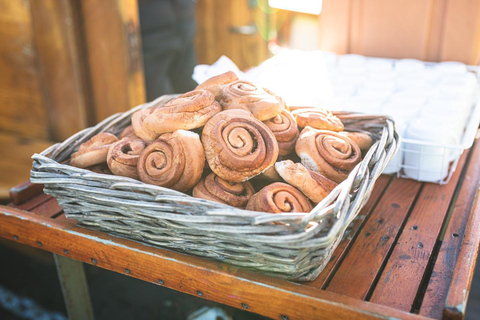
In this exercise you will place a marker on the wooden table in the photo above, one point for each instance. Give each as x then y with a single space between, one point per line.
410 255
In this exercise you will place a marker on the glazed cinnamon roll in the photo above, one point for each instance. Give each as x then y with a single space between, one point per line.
128 132
237 146
175 160
318 119
122 157
219 190
315 186
328 153
189 111
262 103
363 140
93 151
279 197
285 130
215 84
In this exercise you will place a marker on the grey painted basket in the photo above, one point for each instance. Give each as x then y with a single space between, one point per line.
290 246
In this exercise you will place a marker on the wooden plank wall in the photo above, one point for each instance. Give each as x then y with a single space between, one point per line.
432 30
21 99
215 18
64 65
113 51
67 64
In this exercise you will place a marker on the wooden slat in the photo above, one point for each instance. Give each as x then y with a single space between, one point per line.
355 276
410 257
334 26
393 29
205 39
461 36
462 277
214 38
436 29
344 245
115 68
48 209
22 110
436 292
24 192
211 280
62 218
32 203
60 66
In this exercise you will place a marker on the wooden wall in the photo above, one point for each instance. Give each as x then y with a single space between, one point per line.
432 30
67 64
215 37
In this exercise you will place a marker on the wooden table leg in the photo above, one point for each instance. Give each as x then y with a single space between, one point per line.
74 288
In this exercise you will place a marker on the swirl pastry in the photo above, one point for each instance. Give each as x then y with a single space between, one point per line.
175 160
215 84
315 186
318 119
237 146
128 132
122 157
189 111
279 197
363 140
93 151
285 130
219 190
262 103
328 153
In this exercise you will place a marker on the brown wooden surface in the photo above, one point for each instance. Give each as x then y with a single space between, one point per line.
24 192
457 297
451 242
410 256
343 247
357 273
380 255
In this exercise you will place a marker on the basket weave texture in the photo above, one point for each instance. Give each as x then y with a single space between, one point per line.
291 246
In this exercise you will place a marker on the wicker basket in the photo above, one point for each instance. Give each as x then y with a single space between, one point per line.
291 246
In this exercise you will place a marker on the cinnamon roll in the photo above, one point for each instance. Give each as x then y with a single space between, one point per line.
328 153
285 130
318 119
122 157
175 160
93 151
279 197
237 146
128 132
363 140
219 190
315 186
216 83
189 111
262 103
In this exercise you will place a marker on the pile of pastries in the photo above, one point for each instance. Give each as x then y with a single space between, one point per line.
232 142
